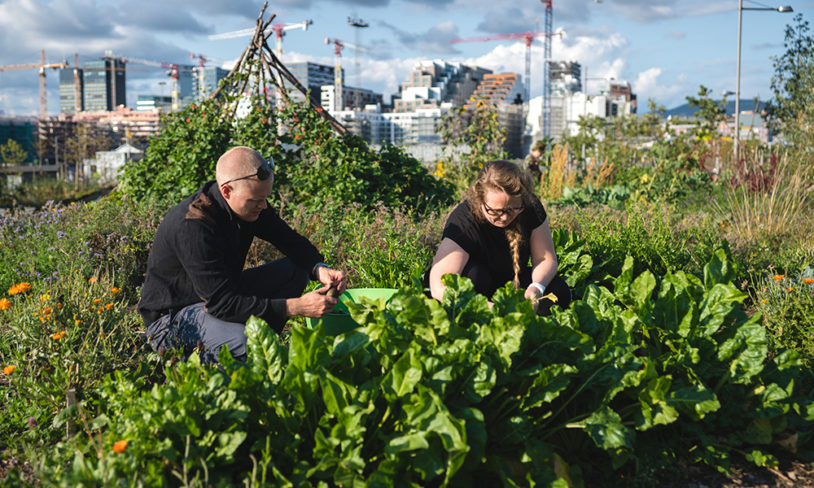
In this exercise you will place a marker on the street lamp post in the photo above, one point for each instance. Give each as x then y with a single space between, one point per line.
741 8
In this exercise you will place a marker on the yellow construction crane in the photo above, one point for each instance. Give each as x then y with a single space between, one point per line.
41 66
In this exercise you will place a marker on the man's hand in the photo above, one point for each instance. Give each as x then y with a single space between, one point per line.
328 276
313 304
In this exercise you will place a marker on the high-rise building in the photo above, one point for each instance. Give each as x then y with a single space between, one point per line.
432 83
68 77
104 85
565 76
498 89
146 103
312 76
205 80
351 95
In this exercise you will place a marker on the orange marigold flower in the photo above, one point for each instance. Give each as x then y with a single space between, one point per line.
808 281
108 306
779 277
120 446
19 288
93 279
114 290
5 304
9 369
58 335
790 288
97 301
765 300
77 322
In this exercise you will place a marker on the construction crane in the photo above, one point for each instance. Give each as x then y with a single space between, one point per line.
528 37
174 74
545 125
41 66
338 46
279 31
202 59
358 24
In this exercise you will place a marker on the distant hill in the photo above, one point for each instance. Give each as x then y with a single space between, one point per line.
686 111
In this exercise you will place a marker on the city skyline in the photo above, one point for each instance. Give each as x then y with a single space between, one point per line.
664 48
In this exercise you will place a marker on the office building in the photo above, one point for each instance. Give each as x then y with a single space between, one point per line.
146 103
205 80
354 98
104 85
312 77
22 130
565 77
498 89
68 80
432 83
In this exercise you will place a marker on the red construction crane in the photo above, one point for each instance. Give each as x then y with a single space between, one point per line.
174 70
41 66
338 46
528 37
203 59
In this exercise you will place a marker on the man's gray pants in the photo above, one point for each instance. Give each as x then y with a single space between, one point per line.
192 327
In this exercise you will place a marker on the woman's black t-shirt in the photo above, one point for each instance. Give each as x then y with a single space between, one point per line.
487 244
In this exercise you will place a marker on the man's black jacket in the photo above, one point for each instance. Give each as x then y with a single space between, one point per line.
199 252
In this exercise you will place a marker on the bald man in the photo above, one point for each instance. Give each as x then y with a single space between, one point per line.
196 292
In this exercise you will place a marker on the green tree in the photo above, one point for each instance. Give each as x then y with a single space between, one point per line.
793 86
12 153
475 137
710 113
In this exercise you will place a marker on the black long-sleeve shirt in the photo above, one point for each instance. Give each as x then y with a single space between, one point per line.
198 255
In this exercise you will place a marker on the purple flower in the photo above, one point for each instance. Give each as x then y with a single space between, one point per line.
32 423
61 234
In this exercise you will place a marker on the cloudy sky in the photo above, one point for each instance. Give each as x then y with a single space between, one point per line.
664 48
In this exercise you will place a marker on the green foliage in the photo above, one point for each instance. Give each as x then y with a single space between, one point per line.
474 137
792 81
787 305
448 394
314 165
709 114
12 153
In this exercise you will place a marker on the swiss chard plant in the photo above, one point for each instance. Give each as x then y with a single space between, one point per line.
454 392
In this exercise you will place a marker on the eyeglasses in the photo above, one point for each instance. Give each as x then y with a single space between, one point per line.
497 212
263 172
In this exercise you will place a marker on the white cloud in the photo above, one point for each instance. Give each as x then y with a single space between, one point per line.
648 84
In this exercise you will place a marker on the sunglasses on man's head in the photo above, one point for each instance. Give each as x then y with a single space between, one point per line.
263 172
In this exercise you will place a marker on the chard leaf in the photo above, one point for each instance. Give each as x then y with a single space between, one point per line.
336 394
548 385
719 303
719 270
265 355
607 431
746 352
641 290
622 284
695 401
401 380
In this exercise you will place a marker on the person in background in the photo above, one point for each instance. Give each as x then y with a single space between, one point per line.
534 159
196 292
490 237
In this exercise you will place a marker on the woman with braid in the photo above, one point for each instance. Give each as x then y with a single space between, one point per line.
490 237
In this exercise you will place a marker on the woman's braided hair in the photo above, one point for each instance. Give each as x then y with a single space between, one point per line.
507 177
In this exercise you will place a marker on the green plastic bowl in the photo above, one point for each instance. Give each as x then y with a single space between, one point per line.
339 323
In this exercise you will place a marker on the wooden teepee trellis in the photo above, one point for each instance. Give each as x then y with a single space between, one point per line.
259 61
